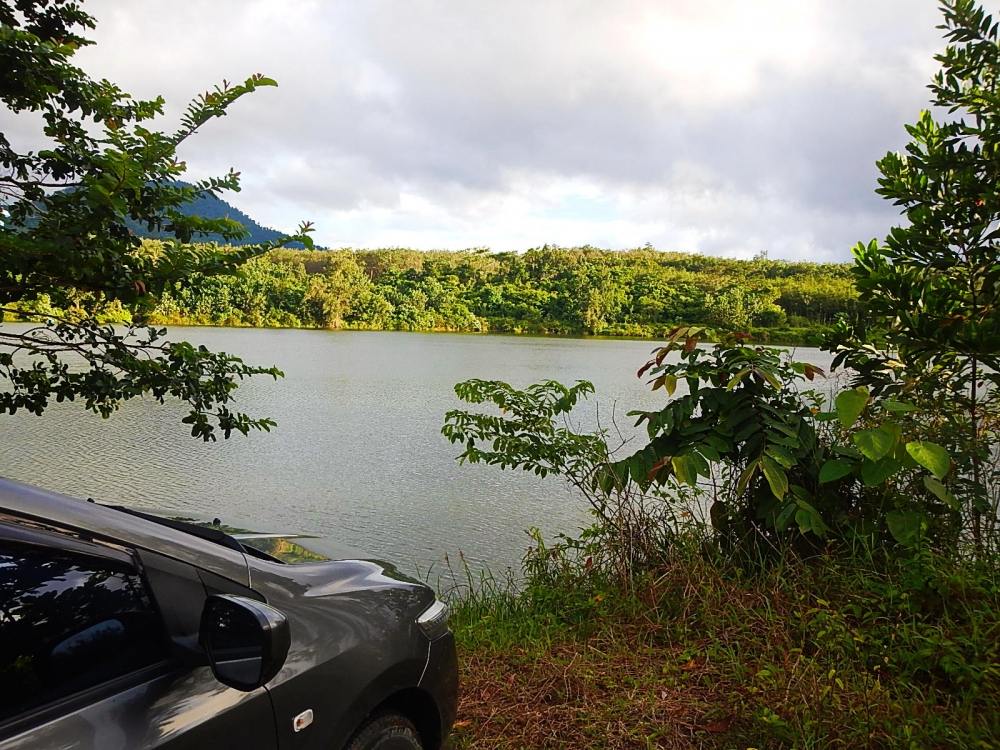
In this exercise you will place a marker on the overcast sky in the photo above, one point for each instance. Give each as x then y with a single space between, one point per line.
716 126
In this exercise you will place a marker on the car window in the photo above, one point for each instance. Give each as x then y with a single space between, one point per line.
68 622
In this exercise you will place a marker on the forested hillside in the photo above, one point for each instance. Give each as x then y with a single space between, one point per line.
211 207
579 291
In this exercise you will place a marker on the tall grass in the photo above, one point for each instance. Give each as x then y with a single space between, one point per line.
715 651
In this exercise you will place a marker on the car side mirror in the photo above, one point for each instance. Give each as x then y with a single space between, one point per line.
246 640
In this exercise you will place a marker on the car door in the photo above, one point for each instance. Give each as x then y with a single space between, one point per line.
86 661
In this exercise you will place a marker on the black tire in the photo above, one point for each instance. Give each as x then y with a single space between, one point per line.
387 732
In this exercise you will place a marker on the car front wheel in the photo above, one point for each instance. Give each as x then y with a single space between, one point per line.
387 732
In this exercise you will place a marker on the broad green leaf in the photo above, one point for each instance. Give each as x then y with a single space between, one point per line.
785 516
737 378
708 452
778 438
781 455
874 473
769 377
717 442
850 404
607 480
833 470
809 519
803 519
941 493
783 427
746 476
701 466
893 429
639 468
800 492
847 451
904 457
684 468
775 476
906 526
931 456
670 384
898 406
876 444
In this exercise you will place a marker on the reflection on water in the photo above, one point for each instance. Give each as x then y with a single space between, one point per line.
357 455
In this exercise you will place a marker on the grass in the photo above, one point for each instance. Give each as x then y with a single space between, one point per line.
827 653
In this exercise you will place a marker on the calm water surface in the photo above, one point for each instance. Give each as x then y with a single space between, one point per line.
357 455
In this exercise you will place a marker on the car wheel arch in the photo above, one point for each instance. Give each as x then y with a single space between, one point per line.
412 703
418 706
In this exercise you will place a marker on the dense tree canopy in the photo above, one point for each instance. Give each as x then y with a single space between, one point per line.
545 290
65 211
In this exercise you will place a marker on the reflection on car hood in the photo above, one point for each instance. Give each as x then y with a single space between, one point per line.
296 548
301 549
289 548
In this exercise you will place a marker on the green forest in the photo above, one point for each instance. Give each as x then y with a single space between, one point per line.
547 290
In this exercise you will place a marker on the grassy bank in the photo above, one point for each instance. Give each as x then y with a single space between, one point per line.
708 653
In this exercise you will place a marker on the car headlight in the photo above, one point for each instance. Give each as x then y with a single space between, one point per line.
434 620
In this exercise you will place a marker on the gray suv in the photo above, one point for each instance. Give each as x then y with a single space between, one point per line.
120 631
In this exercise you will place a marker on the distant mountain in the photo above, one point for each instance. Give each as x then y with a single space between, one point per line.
215 208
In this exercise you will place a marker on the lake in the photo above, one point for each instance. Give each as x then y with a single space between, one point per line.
357 455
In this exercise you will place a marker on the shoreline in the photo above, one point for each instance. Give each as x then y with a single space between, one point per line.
779 342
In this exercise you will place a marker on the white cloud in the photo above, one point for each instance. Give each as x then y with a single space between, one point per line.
718 126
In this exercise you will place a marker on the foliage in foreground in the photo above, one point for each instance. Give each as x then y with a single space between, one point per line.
933 285
741 449
780 464
65 210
